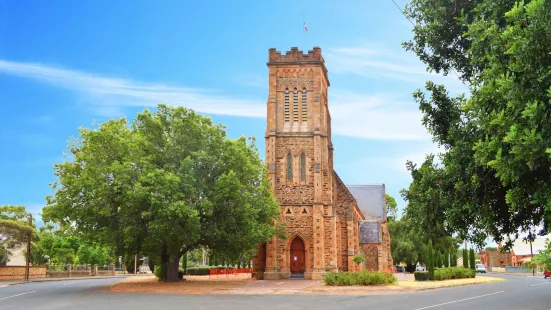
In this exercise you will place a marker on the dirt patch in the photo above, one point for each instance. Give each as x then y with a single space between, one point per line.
204 285
192 285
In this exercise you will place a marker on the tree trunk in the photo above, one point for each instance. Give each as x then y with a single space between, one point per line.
172 271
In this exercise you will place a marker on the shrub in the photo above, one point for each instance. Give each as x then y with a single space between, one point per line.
358 259
358 278
453 273
421 275
198 271
181 273
160 272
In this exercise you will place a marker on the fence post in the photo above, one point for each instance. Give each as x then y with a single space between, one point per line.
69 270
95 269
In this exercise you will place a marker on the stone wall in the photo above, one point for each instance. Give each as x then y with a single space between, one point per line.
297 223
494 258
296 191
18 272
343 208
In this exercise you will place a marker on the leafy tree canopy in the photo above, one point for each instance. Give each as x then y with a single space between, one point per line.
495 176
169 183
14 230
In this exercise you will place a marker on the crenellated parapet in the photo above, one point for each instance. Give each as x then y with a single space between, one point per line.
296 56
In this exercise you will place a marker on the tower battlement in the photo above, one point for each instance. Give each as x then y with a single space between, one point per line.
295 56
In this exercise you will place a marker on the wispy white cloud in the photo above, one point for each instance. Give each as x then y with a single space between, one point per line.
380 117
397 163
108 95
381 63
375 116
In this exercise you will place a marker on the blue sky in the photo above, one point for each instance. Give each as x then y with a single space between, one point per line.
66 64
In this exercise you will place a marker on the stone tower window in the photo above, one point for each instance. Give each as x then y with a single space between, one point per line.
286 112
289 167
295 105
303 167
304 105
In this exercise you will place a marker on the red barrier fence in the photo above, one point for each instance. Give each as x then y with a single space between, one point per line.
230 272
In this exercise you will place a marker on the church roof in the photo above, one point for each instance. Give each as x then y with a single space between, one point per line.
370 199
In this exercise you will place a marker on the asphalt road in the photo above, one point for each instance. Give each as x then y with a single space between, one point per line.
517 292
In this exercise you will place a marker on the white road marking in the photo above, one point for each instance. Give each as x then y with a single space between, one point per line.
280 283
540 284
70 283
452 302
17 295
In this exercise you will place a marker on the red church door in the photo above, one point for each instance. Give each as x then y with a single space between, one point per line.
297 256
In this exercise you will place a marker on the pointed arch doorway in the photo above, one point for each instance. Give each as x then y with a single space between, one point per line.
298 256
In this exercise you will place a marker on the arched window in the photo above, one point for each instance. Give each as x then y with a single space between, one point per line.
304 105
286 113
295 105
289 167
303 167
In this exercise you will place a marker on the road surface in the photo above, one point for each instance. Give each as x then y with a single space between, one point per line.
518 292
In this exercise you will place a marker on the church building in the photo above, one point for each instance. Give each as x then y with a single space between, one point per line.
327 223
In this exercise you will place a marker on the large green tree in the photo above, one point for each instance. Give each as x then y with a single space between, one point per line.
169 183
496 170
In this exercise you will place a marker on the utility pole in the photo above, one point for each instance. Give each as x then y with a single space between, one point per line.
28 258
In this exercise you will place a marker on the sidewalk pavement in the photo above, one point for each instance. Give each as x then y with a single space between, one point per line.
18 282
521 274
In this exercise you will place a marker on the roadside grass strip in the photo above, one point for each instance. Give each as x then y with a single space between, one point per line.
448 283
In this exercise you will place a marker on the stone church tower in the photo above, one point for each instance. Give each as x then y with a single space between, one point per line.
320 214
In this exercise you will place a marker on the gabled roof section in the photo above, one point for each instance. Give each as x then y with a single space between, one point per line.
370 199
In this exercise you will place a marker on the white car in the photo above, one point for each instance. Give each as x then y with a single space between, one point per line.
420 268
480 268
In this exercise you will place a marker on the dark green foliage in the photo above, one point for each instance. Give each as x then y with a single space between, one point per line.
430 262
358 278
421 276
472 259
465 259
198 271
446 259
160 272
453 260
494 178
164 184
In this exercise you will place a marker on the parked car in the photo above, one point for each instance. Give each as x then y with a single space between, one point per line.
480 268
420 268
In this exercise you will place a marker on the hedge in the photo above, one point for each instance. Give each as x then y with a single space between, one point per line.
198 271
421 275
359 278
446 274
